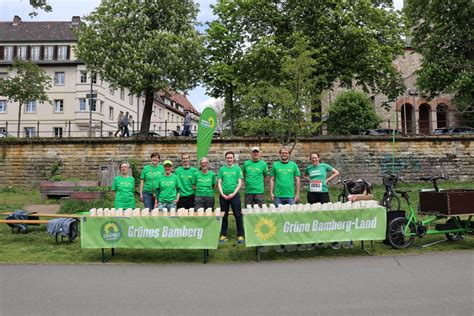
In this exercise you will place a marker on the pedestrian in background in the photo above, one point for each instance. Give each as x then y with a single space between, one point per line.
119 125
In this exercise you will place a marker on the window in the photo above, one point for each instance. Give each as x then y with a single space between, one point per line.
159 112
168 116
82 105
154 127
22 52
48 52
83 77
58 132
35 52
130 99
122 94
3 106
58 106
59 78
94 79
111 113
94 105
154 110
111 91
172 117
62 52
30 132
8 53
30 107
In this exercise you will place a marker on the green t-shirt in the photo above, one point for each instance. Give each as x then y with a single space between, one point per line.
150 175
124 192
204 183
317 175
255 172
185 178
168 186
285 174
230 177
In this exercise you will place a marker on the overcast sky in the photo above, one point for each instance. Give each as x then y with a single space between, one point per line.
63 10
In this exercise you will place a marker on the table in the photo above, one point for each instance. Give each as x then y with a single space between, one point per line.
161 232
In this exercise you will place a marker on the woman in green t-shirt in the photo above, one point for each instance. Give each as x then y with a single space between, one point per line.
123 188
149 181
316 174
204 181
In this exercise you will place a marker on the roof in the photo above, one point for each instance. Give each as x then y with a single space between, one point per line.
180 99
20 31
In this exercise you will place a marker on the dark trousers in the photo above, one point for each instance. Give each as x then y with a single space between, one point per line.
318 197
253 199
186 202
236 209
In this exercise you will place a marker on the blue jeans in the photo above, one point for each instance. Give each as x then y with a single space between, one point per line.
283 201
167 205
148 200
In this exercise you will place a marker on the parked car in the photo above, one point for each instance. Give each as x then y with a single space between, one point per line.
150 134
3 134
457 130
378 131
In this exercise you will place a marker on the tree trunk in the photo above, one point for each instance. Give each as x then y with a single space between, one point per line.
149 96
19 118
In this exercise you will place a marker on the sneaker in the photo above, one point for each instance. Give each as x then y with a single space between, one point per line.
240 240
222 239
290 247
280 248
300 247
264 249
335 245
347 245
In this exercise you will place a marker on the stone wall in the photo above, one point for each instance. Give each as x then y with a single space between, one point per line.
26 162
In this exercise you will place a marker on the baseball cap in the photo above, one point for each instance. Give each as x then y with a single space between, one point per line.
167 162
255 148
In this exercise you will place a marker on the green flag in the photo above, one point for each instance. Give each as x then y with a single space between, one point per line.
207 125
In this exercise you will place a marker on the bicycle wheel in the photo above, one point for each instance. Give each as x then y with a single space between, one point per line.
453 236
391 203
342 198
396 236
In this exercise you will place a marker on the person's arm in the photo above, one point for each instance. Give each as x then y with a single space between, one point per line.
177 197
219 186
335 173
272 184
306 176
298 186
142 183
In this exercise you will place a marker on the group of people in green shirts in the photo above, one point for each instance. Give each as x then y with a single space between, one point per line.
189 187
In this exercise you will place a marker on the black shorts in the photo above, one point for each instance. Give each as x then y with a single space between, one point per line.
318 197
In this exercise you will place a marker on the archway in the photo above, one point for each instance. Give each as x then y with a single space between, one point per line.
424 118
442 115
407 119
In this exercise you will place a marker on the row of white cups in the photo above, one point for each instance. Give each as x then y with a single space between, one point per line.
310 207
249 210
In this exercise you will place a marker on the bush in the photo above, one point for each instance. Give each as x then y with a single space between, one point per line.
351 112
76 206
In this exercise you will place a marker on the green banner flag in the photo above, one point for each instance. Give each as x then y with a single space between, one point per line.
150 232
207 125
270 229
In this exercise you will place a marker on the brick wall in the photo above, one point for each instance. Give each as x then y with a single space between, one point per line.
26 162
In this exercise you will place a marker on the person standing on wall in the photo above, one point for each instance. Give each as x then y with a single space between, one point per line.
255 170
185 177
229 182
119 125
125 122
123 188
285 180
316 174
186 124
149 181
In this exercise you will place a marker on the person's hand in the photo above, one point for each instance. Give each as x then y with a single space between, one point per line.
297 198
141 197
231 196
272 196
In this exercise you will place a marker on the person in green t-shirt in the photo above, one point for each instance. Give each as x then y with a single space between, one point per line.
123 188
149 181
316 174
204 182
169 188
284 177
229 182
185 177
255 171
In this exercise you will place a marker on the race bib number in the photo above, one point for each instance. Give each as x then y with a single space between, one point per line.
315 186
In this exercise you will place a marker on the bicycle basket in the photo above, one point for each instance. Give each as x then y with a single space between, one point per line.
389 181
359 187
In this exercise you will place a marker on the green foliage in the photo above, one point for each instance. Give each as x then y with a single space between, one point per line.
257 51
145 46
54 172
40 4
29 83
76 206
350 112
135 172
442 33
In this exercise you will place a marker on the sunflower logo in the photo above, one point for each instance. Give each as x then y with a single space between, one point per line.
211 122
111 232
265 229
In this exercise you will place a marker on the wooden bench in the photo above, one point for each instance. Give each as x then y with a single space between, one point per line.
66 188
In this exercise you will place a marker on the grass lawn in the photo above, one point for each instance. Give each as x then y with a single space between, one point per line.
37 246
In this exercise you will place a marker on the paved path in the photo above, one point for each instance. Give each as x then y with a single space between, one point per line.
428 284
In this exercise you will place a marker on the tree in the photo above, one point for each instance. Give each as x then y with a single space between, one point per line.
352 43
145 46
442 34
40 4
29 84
350 112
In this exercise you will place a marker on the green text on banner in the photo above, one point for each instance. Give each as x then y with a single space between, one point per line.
267 229
207 125
150 232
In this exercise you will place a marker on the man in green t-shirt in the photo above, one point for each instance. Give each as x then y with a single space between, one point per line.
284 177
185 178
255 170
149 181
229 182
169 188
